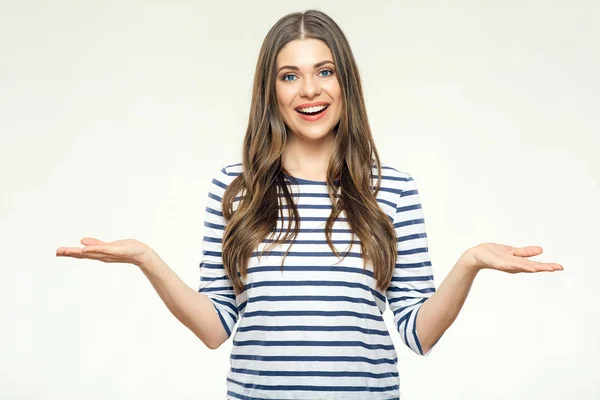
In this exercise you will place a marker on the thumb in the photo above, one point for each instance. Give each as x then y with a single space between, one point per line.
528 251
88 241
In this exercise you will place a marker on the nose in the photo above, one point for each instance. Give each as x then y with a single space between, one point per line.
310 87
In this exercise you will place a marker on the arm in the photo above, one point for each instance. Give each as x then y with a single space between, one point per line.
412 281
422 312
440 310
212 313
193 309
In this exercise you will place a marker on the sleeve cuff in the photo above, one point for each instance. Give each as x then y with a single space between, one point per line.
416 335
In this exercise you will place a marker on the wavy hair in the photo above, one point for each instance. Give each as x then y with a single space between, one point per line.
349 170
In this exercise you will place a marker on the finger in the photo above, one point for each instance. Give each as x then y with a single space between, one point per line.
534 266
99 249
91 241
77 252
527 251
85 253
69 252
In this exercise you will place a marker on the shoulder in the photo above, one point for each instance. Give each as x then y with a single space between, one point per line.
233 169
393 178
219 180
225 173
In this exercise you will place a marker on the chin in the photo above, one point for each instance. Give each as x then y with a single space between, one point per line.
316 134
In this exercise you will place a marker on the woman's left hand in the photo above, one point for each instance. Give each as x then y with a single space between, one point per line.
506 258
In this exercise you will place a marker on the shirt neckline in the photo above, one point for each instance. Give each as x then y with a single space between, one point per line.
306 181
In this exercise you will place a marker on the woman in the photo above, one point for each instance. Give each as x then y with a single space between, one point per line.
310 323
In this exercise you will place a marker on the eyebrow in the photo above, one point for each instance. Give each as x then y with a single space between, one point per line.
293 67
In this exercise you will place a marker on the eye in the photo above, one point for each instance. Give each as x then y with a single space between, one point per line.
285 77
328 71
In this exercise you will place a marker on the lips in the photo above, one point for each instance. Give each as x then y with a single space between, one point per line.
312 108
314 116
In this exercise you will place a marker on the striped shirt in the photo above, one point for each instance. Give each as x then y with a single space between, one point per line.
315 330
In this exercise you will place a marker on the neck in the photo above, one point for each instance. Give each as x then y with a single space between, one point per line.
308 159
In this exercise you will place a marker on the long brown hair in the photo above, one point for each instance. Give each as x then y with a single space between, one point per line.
351 163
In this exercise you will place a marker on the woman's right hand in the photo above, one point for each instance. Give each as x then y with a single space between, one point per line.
129 251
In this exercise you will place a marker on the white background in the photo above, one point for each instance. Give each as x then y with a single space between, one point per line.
114 116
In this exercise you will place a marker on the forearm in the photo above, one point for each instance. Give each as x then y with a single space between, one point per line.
192 308
440 310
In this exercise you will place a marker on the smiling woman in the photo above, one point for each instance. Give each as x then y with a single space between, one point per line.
313 328
308 90
310 318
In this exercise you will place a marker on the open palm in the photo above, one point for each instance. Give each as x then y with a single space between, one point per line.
507 258
128 251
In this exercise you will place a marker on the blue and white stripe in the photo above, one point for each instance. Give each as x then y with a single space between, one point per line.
315 330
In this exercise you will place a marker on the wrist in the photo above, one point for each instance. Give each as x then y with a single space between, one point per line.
468 262
147 259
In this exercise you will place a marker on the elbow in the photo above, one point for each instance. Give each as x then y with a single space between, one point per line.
212 343
209 340
425 351
215 342
425 348
212 338
212 346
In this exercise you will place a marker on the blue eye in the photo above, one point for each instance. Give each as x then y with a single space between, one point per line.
286 76
329 72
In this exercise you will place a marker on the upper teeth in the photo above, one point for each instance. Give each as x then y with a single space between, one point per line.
312 109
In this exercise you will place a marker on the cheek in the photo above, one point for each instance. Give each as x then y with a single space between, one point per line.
285 97
336 92
284 105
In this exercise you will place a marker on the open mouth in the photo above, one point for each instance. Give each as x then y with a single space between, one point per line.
312 110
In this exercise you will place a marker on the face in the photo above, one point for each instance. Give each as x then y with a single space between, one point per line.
308 93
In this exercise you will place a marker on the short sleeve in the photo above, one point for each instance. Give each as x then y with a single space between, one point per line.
214 282
412 281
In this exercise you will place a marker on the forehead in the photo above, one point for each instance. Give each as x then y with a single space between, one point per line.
304 53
